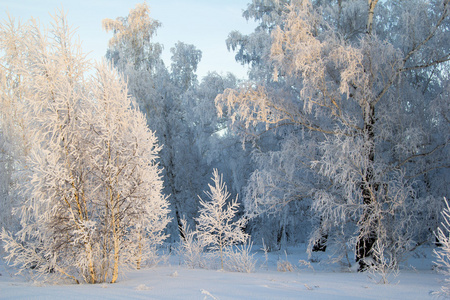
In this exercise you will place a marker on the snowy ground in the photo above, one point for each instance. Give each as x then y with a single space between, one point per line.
173 280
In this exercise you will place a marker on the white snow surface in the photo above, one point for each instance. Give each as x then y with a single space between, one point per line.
173 280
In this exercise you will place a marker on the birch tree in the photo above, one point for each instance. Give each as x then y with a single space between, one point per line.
92 193
132 35
14 138
355 86
443 252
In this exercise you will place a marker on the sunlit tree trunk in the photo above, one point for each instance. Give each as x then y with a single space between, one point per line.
114 220
139 254
372 4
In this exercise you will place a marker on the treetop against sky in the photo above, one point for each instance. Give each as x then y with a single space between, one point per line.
205 24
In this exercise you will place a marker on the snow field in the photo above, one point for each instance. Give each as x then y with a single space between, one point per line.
173 280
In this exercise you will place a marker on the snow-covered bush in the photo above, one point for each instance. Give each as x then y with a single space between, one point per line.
284 265
216 226
443 253
385 266
190 248
240 259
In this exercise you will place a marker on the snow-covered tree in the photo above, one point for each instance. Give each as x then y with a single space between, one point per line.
217 226
210 142
364 82
135 55
181 110
159 94
191 249
185 59
132 36
14 137
254 49
92 191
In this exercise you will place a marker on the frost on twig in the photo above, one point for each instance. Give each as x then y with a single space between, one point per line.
240 259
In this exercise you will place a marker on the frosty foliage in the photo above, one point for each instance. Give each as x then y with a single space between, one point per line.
180 109
357 88
385 268
91 193
443 252
240 259
132 35
216 224
274 190
254 49
185 59
217 230
191 249
15 138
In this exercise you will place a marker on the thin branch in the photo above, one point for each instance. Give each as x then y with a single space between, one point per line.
412 51
427 171
421 154
432 33
433 63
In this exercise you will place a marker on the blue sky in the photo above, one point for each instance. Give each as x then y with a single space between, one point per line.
204 23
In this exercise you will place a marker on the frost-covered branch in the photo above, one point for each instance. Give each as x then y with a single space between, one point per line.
443 253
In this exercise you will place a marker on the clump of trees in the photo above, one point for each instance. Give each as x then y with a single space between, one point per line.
87 183
344 122
179 108
358 100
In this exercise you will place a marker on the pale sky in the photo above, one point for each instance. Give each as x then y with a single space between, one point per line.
203 23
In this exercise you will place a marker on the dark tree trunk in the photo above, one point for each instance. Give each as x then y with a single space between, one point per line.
367 224
282 235
169 165
174 197
321 243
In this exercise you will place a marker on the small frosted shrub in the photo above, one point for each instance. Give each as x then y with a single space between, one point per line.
240 258
443 252
190 249
284 265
